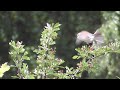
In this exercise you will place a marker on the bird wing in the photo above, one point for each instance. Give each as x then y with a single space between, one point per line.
99 39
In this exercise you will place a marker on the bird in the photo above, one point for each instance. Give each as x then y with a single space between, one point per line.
89 39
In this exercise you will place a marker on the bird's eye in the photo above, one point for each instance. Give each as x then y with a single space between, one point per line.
90 44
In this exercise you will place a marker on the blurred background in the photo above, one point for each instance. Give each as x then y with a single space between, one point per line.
27 26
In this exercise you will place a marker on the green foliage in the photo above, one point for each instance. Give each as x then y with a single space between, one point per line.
47 62
27 27
110 27
18 55
49 67
3 69
110 30
92 63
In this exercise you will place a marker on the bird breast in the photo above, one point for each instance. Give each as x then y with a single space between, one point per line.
85 36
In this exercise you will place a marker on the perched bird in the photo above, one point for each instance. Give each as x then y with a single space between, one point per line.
87 38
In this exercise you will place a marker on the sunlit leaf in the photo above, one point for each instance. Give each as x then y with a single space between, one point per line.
4 68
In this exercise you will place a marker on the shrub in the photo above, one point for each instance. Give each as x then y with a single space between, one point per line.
49 66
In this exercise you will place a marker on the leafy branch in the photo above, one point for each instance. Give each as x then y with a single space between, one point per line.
88 58
19 54
47 62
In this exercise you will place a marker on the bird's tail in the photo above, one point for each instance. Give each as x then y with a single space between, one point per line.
98 38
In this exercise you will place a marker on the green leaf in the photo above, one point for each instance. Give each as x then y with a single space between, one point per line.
57 25
3 69
75 57
25 53
25 57
21 50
